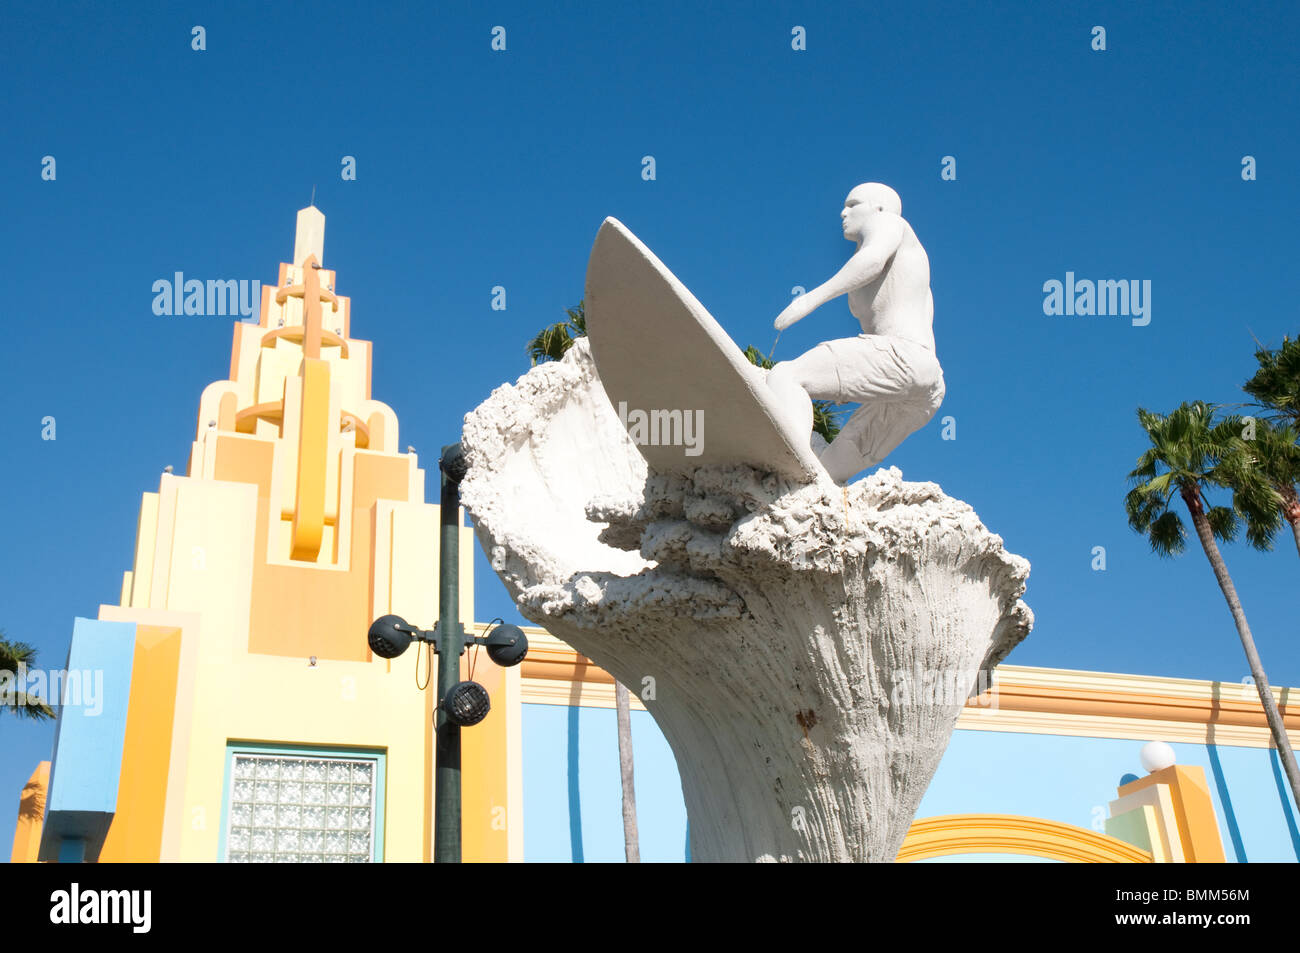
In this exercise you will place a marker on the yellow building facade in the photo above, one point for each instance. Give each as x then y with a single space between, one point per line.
239 643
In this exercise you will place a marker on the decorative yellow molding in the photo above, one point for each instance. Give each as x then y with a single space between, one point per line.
296 335
246 419
1148 818
1022 699
538 691
1216 706
1012 834
313 460
1193 809
1102 726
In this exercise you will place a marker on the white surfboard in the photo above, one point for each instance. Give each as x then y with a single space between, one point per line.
658 351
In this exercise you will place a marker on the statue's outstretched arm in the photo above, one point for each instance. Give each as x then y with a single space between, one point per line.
864 267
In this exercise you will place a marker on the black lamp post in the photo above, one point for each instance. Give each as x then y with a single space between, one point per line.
460 704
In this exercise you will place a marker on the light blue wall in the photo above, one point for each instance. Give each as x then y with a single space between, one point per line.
572 804
88 740
1073 779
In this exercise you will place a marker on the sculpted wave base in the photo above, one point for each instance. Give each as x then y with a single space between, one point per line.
781 622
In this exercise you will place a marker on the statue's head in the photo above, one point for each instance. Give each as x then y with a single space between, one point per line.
866 200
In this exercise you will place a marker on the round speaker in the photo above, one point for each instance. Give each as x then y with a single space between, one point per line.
507 645
386 639
466 704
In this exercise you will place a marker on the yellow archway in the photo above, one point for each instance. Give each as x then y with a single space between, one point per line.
1013 834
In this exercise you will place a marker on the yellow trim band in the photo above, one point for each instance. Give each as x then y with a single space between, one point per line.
1013 834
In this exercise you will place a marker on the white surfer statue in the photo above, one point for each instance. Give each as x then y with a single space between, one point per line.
891 368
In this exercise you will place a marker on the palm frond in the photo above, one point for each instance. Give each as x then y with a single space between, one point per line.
1275 386
1183 452
13 655
826 419
1254 468
1224 523
554 341
30 707
758 358
577 320
1144 507
1167 534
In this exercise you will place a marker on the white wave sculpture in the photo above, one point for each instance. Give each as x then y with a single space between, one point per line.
804 647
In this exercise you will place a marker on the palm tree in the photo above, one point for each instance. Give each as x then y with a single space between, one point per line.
551 344
1277 460
1276 390
826 418
623 705
1190 454
1276 385
12 655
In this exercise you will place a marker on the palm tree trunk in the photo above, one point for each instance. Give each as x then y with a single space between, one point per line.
1192 498
623 704
1291 510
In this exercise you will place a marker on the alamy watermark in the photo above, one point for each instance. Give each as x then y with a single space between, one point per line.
80 688
664 428
131 908
942 688
1084 297
229 296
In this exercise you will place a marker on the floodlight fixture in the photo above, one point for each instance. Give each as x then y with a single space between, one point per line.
506 644
466 704
389 636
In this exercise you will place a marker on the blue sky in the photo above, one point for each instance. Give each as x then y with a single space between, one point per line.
477 168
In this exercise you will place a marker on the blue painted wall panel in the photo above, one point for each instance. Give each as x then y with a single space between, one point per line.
88 741
572 792
1072 779
572 801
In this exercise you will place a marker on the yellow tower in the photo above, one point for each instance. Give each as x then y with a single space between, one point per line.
256 724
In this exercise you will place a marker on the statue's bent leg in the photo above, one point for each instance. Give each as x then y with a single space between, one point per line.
900 387
872 433
898 383
790 381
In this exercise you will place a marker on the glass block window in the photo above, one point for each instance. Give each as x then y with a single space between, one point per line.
301 809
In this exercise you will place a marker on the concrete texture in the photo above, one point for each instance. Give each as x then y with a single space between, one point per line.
786 635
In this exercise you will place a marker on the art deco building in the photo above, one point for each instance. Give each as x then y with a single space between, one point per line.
243 715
